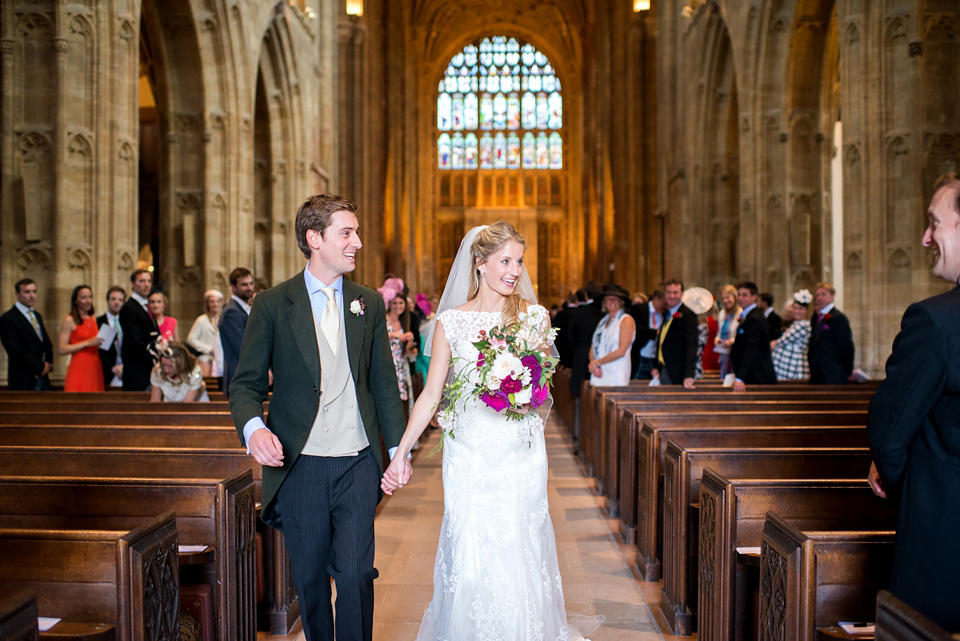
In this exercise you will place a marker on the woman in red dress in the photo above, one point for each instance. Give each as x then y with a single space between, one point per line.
78 336
157 303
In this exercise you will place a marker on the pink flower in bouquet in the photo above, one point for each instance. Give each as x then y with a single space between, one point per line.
540 394
498 401
531 363
509 385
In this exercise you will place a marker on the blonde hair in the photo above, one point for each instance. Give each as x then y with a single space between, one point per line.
182 360
488 242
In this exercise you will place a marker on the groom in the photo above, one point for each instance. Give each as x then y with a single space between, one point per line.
335 394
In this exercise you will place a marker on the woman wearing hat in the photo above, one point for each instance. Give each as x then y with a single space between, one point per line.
204 336
789 352
610 349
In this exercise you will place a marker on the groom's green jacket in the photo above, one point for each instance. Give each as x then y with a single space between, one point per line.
281 334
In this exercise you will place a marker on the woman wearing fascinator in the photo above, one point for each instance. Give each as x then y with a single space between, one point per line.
496 574
789 352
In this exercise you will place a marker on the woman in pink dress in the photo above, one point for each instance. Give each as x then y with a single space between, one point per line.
79 338
157 304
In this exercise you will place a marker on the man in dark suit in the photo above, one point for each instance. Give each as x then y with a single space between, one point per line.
320 447
750 353
914 430
648 317
139 331
830 351
111 359
676 340
29 349
774 320
233 321
583 322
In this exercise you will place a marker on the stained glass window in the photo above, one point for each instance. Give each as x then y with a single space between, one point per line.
505 98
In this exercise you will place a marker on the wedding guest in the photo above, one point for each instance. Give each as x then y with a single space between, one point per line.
639 298
774 320
750 354
609 356
701 302
157 303
111 361
176 377
79 337
647 316
710 360
29 348
727 322
233 321
401 338
139 332
204 336
676 340
583 323
831 348
789 352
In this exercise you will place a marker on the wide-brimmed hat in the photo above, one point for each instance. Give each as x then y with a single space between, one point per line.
698 299
613 289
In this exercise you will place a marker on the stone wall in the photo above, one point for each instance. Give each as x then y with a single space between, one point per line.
745 177
224 74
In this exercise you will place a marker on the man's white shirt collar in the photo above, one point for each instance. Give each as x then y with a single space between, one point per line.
243 305
314 284
23 309
673 310
140 299
747 310
767 312
826 308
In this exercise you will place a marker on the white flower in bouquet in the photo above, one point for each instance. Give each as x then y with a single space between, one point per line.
524 396
505 364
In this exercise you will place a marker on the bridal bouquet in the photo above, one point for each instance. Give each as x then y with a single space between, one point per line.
512 371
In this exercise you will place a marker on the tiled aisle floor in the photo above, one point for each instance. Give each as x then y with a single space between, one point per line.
596 577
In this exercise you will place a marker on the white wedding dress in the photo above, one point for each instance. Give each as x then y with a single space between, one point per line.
496 576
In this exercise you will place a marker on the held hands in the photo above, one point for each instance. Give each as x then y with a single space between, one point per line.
93 342
397 474
688 383
595 369
47 368
265 448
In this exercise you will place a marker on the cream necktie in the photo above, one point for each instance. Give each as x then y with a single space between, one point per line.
330 320
36 325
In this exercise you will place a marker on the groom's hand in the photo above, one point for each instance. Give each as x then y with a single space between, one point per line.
265 448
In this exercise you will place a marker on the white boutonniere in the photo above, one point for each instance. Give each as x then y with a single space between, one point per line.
357 307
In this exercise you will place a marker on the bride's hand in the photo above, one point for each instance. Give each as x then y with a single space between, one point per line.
396 475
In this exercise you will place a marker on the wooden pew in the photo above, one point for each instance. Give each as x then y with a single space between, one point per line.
217 513
592 403
813 579
683 469
651 449
157 416
611 446
710 436
126 577
18 616
897 621
127 462
732 515
216 437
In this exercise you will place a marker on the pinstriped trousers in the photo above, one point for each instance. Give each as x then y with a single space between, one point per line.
327 505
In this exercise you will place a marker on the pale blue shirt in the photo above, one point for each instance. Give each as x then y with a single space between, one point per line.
26 314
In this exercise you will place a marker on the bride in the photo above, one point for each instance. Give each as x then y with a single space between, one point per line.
496 575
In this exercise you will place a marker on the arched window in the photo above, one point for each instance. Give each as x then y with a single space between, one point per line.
499 85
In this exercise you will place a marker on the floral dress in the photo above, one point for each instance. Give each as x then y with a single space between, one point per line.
399 362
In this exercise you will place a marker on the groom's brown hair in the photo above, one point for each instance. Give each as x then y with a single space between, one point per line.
315 214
